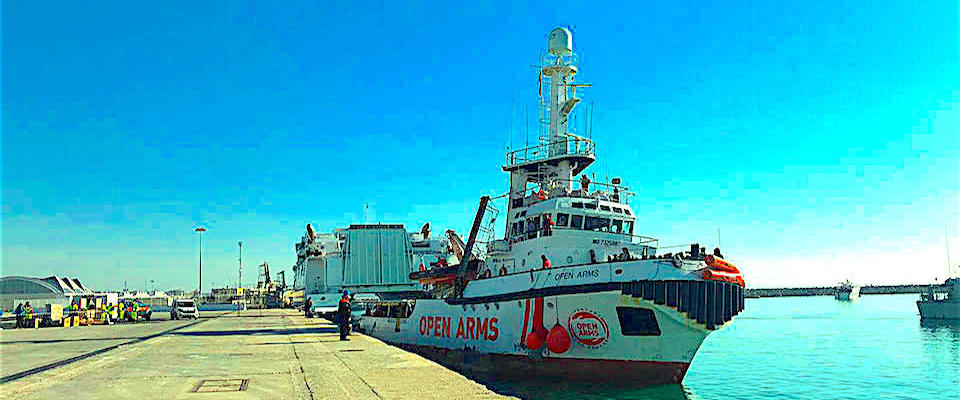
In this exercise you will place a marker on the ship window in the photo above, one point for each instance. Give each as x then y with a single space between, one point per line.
626 211
628 227
637 322
618 210
562 219
577 204
576 221
591 206
597 224
523 213
518 202
533 223
520 227
616 226
605 208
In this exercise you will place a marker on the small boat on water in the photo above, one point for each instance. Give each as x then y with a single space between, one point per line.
941 301
847 291
622 313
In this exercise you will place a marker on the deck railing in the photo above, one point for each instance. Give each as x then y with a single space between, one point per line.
542 151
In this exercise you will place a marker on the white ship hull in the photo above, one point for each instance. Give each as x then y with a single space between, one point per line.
946 309
627 331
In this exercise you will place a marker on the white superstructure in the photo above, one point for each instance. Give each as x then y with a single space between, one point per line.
570 291
847 291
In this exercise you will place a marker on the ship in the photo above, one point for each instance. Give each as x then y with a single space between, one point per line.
847 291
370 260
570 292
941 302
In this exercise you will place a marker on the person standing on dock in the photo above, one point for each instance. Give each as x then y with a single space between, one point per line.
343 315
18 312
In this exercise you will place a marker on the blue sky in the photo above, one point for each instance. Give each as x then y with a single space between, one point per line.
822 139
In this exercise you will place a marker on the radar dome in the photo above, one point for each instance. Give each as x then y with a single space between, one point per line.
560 42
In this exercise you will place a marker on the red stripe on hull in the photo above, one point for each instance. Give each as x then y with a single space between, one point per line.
526 316
611 372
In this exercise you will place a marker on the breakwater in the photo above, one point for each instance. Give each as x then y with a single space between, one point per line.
830 290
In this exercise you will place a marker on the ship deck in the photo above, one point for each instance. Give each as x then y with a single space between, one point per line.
256 354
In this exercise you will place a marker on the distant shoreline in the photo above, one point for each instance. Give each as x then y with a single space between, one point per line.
830 290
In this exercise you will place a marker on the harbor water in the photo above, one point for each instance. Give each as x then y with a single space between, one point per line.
804 348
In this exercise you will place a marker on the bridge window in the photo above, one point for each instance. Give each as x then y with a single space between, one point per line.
628 227
576 221
637 322
591 206
616 226
562 219
577 204
604 208
627 211
618 210
597 224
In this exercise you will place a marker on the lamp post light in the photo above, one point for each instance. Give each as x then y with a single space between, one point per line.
201 230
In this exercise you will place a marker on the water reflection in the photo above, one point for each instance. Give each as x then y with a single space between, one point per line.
938 327
587 391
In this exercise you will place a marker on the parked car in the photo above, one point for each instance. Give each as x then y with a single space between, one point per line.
184 308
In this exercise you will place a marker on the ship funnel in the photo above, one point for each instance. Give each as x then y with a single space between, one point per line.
560 42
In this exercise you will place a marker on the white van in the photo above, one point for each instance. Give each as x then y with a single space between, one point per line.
184 308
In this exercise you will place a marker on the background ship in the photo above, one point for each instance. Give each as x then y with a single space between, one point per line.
846 290
367 259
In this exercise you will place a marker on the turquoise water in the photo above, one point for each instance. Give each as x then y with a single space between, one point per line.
805 348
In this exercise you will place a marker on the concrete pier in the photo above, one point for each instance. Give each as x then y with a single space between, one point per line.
259 354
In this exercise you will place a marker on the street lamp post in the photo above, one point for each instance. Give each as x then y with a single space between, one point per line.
240 269
201 230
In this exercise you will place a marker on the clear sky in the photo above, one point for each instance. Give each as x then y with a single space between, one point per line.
822 138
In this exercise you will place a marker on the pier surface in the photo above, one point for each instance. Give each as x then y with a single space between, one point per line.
268 354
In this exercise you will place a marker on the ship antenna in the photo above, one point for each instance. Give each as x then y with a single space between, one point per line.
526 119
593 107
947 241
512 115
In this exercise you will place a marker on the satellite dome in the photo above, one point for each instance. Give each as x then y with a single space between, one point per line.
560 42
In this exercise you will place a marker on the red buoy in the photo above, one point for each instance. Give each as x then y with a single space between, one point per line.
558 340
534 340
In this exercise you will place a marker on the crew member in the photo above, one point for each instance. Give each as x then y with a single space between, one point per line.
585 184
547 225
343 315
308 308
541 195
546 261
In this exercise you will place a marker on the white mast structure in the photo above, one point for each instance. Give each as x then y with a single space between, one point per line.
559 156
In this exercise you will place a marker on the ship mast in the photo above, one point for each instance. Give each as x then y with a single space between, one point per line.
559 155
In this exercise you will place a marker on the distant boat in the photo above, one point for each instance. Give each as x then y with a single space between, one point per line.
941 301
847 291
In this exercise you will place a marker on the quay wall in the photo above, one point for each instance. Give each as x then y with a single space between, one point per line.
830 290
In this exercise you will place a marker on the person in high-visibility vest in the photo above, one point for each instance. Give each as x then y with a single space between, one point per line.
28 313
104 314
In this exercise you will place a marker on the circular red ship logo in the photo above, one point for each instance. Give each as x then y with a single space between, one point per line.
588 328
